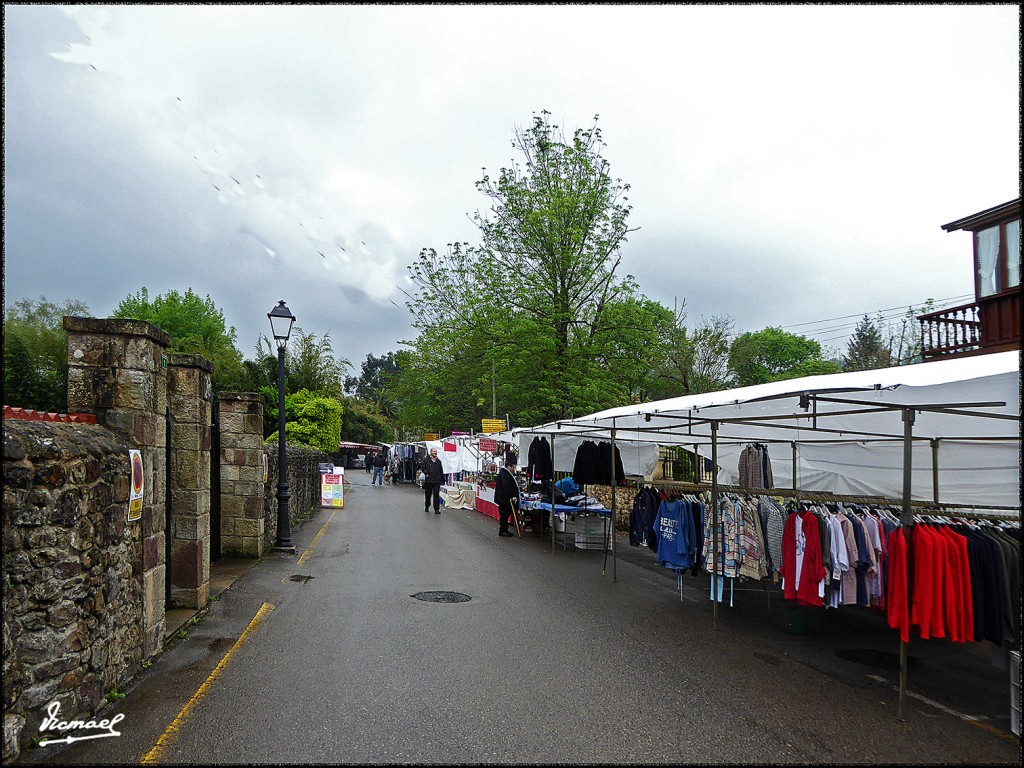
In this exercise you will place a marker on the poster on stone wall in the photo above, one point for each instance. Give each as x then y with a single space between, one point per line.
138 484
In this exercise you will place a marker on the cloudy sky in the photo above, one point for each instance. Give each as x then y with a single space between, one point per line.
789 165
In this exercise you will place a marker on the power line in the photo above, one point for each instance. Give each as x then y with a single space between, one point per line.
903 308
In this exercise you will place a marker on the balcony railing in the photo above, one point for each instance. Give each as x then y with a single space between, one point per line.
951 331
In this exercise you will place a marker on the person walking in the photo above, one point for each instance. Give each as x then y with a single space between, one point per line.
369 463
433 476
506 495
379 463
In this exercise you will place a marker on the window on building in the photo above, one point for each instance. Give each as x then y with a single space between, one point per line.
997 258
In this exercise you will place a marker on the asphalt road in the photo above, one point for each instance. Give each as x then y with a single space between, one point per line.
326 657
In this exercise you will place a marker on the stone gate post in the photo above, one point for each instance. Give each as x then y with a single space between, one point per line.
117 371
189 387
241 474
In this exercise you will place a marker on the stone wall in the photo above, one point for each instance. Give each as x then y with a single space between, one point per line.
623 501
117 371
73 596
303 484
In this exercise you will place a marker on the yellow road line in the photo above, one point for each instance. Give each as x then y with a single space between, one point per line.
154 755
309 549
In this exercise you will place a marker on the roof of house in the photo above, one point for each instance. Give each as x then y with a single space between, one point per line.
985 218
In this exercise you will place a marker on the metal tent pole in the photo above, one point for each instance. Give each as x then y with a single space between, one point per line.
615 561
714 523
907 521
553 493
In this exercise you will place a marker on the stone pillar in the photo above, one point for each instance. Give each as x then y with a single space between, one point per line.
117 371
188 393
241 474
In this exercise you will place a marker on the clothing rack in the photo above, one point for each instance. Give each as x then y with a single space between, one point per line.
825 496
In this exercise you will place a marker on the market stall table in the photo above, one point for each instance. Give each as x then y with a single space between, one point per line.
587 534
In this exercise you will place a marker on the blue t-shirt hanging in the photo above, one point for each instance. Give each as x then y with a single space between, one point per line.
675 530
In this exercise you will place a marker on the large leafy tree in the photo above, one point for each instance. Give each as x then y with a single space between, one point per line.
363 424
695 359
35 353
372 384
196 326
772 354
534 322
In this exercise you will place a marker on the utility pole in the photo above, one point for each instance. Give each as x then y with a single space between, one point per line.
494 397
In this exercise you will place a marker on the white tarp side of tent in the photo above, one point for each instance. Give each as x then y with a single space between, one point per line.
638 458
464 458
982 473
826 461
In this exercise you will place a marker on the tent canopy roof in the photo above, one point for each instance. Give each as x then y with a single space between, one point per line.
971 405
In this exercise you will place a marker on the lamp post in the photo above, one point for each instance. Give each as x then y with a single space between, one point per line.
281 320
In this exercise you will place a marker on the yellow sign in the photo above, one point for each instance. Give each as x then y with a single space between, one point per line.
490 426
430 436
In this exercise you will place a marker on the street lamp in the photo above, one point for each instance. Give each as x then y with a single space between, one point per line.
281 320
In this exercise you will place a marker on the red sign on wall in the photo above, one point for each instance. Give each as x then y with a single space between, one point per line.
489 446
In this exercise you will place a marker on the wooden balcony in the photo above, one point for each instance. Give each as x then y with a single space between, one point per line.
991 324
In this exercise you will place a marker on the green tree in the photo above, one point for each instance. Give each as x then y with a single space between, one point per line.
311 364
696 360
772 354
866 349
362 424
35 353
372 384
196 326
535 322
312 419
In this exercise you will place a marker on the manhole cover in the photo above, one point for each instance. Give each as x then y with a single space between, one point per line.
872 658
442 597
299 577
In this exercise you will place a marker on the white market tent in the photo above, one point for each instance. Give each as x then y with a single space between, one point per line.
464 458
847 431
946 432
638 457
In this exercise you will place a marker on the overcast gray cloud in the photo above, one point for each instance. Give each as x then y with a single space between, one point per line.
787 164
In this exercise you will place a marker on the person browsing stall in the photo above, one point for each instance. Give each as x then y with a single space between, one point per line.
506 495
433 476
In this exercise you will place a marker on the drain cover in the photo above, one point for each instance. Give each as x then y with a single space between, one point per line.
442 597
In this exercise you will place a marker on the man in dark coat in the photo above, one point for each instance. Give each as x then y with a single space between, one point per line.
433 476
506 495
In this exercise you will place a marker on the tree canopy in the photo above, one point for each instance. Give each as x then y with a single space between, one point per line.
313 419
373 383
534 322
196 326
36 353
772 354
